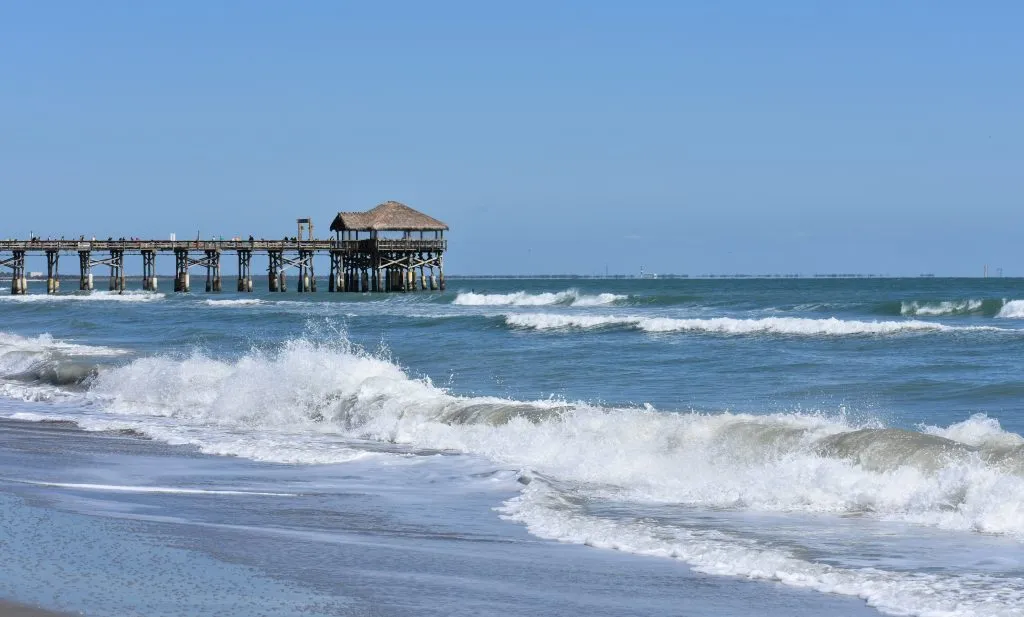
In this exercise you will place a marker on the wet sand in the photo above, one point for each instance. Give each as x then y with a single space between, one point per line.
11 609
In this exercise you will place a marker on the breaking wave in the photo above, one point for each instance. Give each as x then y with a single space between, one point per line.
946 308
729 325
15 349
93 296
1013 309
771 462
307 402
569 297
238 302
45 360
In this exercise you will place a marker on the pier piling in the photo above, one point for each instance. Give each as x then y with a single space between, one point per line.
116 263
52 282
85 269
16 262
181 264
244 274
212 263
149 282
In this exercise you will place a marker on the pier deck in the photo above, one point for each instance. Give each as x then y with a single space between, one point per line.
362 265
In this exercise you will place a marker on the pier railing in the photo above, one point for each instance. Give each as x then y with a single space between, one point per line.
257 245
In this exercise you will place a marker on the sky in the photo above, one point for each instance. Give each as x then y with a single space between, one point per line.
553 137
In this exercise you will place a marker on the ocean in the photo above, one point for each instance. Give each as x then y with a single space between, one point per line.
518 447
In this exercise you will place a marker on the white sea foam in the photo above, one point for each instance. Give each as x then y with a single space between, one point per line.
937 309
569 297
729 325
34 393
238 302
980 431
1012 309
547 515
94 296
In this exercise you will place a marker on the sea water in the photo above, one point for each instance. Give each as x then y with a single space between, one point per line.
781 446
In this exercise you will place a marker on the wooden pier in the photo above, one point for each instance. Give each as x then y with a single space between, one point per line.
390 248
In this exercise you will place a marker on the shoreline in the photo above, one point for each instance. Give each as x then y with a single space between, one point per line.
141 549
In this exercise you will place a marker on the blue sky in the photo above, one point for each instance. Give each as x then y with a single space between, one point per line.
692 137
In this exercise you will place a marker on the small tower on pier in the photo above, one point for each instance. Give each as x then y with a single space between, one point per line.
306 225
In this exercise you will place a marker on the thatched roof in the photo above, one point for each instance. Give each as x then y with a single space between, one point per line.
388 216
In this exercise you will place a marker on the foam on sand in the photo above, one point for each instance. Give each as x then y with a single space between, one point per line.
547 515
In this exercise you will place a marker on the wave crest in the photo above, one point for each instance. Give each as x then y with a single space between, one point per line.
729 325
1012 309
235 302
294 404
569 297
939 309
93 296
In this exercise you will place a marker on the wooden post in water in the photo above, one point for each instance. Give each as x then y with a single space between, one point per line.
85 270
312 273
244 270
212 263
273 270
181 264
52 282
19 284
116 263
440 272
216 271
148 270
333 282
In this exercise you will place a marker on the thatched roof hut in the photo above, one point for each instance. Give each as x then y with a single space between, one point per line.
388 216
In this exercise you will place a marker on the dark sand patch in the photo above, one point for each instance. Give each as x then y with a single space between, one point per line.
11 609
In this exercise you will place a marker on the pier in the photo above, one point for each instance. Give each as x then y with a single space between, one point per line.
390 248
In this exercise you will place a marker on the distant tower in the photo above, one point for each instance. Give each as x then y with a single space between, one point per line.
984 271
306 223
641 272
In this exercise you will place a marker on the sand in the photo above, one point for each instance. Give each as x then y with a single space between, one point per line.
10 609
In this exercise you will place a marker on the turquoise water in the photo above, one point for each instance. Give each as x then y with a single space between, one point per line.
848 438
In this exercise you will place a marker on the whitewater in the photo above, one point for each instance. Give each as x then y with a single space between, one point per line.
872 453
569 297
